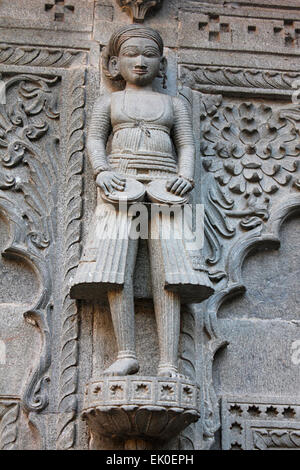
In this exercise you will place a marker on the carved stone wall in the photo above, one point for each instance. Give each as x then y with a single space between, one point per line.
237 63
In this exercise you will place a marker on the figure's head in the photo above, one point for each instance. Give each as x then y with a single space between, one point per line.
135 54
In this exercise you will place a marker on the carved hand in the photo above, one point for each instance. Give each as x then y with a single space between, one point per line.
110 181
179 186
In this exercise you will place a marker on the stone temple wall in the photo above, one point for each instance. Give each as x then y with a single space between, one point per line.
238 64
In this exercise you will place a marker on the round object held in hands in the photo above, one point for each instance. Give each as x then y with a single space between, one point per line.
134 191
157 192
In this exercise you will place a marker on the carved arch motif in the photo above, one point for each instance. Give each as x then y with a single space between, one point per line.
270 239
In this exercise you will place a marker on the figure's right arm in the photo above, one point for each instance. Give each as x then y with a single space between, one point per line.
99 131
100 128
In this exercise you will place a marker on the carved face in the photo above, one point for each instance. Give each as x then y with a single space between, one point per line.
139 61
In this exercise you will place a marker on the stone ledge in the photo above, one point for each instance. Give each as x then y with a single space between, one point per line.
151 408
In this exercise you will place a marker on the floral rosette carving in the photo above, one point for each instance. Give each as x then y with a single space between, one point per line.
257 150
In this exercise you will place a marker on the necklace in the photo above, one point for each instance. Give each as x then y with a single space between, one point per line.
136 118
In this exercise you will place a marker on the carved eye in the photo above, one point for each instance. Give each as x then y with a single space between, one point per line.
150 54
130 54
16 146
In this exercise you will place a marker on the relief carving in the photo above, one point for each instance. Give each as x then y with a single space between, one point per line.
252 151
29 200
34 170
141 166
39 56
276 438
249 183
212 79
250 156
9 414
259 424
259 149
68 401
138 8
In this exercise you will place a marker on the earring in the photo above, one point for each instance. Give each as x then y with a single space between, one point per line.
164 81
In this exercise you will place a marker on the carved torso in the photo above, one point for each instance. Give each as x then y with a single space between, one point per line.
141 143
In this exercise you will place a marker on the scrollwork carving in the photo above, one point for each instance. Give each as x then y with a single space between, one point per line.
252 151
29 200
257 150
250 155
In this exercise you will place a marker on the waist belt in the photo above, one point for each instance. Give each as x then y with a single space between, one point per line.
143 126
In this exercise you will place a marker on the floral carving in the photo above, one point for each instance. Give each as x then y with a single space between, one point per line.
138 8
210 79
117 391
276 438
257 149
39 56
167 392
252 151
236 410
142 390
271 411
259 425
28 196
9 426
289 412
254 411
187 393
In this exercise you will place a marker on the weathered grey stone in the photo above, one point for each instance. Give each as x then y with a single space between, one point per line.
237 67
263 423
143 408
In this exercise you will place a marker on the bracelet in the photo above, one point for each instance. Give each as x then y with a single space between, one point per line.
190 180
100 169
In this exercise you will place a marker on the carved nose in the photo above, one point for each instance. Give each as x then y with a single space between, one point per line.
140 61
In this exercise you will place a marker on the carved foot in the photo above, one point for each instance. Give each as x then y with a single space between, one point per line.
169 371
124 366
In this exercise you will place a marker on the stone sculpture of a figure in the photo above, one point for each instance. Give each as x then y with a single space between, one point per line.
152 140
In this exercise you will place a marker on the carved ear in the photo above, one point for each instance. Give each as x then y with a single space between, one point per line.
113 66
163 67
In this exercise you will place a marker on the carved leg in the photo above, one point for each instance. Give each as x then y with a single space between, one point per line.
121 302
122 312
167 314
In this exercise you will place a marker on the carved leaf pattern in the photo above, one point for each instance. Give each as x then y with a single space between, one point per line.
272 438
34 56
28 155
74 185
187 357
9 427
199 77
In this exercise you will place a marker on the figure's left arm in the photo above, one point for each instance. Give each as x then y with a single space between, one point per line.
183 139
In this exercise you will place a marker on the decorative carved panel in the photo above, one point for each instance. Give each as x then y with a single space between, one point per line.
237 66
260 424
245 207
41 145
9 417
